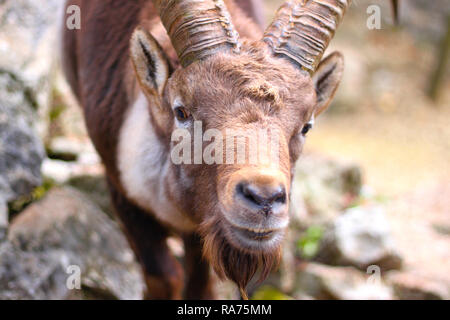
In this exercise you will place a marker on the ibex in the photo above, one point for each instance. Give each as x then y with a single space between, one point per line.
143 69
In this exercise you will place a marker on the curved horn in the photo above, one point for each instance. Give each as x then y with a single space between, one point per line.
197 28
302 29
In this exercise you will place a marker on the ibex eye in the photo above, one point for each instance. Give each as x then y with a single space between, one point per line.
182 114
306 128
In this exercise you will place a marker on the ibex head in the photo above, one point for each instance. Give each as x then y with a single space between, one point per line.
278 84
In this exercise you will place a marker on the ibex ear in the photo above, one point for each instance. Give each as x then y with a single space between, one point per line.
326 80
150 62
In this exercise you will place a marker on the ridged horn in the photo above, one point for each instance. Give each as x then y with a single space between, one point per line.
198 28
302 30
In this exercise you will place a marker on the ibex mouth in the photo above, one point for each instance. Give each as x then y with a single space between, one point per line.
258 234
255 236
255 239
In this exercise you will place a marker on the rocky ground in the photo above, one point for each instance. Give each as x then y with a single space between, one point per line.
371 205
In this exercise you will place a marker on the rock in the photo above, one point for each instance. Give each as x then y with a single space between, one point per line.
96 188
27 42
417 12
27 47
341 283
325 187
3 220
27 59
62 171
410 286
28 275
86 163
55 237
21 150
64 145
57 170
360 237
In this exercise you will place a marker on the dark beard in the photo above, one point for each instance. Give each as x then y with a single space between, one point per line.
233 263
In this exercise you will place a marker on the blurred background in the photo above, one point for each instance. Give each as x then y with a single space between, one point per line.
371 199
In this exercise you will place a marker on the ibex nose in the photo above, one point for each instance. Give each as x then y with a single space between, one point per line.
261 196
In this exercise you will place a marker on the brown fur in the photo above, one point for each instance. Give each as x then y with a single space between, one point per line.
252 90
232 263
265 83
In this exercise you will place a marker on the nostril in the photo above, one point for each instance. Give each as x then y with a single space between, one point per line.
262 196
280 197
250 194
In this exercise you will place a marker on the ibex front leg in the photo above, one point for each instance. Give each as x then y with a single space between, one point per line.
163 274
199 283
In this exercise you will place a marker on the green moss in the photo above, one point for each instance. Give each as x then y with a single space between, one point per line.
309 243
270 293
17 206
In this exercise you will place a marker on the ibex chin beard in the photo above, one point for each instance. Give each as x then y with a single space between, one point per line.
240 262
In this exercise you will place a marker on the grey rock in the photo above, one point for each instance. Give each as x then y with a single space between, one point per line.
415 13
27 60
340 283
360 237
66 229
27 47
30 275
3 220
21 150
28 38
410 286
96 188
323 187
62 171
